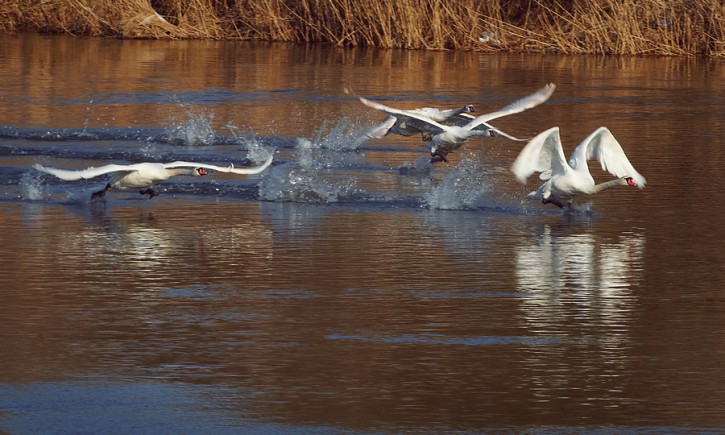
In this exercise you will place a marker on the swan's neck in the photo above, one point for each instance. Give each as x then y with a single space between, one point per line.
173 172
459 110
609 184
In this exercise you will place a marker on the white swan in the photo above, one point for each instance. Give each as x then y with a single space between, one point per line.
446 138
565 180
402 126
485 128
144 175
441 115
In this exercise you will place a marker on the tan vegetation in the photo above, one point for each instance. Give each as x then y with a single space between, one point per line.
647 27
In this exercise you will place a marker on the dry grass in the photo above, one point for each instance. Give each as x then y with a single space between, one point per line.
656 27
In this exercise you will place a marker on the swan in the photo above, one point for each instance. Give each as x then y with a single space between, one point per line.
487 129
144 175
445 138
402 126
565 180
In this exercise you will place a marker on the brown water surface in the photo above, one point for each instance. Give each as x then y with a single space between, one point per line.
353 287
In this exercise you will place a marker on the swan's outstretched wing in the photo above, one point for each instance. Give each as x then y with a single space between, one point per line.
228 169
379 131
542 154
83 174
464 118
442 115
517 106
411 117
602 145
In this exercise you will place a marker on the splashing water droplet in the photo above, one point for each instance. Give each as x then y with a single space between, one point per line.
32 187
460 189
195 130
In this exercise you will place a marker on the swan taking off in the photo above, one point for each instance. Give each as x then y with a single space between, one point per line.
143 176
401 124
564 180
445 138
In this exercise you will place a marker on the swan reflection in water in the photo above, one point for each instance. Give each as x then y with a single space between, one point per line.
166 245
579 274
579 287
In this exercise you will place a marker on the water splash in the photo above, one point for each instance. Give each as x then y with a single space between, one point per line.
193 131
257 151
421 166
32 186
295 183
332 146
344 135
461 188
303 180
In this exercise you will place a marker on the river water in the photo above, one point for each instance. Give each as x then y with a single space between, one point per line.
353 287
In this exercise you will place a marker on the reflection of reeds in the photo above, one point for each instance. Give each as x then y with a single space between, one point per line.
677 27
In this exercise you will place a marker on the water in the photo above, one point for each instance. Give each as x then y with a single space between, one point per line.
353 287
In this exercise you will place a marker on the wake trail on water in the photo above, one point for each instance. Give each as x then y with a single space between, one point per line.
324 169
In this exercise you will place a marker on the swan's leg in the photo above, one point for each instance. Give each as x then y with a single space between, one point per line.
101 193
150 192
553 201
439 153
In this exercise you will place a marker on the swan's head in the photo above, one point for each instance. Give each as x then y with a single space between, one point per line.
468 108
630 181
198 172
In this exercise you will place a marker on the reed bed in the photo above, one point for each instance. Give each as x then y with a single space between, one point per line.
632 27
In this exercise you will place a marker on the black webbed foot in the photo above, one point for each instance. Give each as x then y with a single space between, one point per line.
552 201
101 193
150 192
438 156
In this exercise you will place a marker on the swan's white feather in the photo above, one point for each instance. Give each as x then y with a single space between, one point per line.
405 114
228 169
448 137
602 146
527 102
84 174
149 170
517 106
464 118
379 131
542 154
565 180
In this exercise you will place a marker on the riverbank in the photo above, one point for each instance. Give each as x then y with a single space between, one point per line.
619 27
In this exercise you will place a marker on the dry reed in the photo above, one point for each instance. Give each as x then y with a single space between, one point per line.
657 27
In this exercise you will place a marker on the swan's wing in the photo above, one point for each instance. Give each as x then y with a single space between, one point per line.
506 135
379 131
517 106
462 119
542 154
442 115
411 117
228 169
602 145
83 174
433 113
